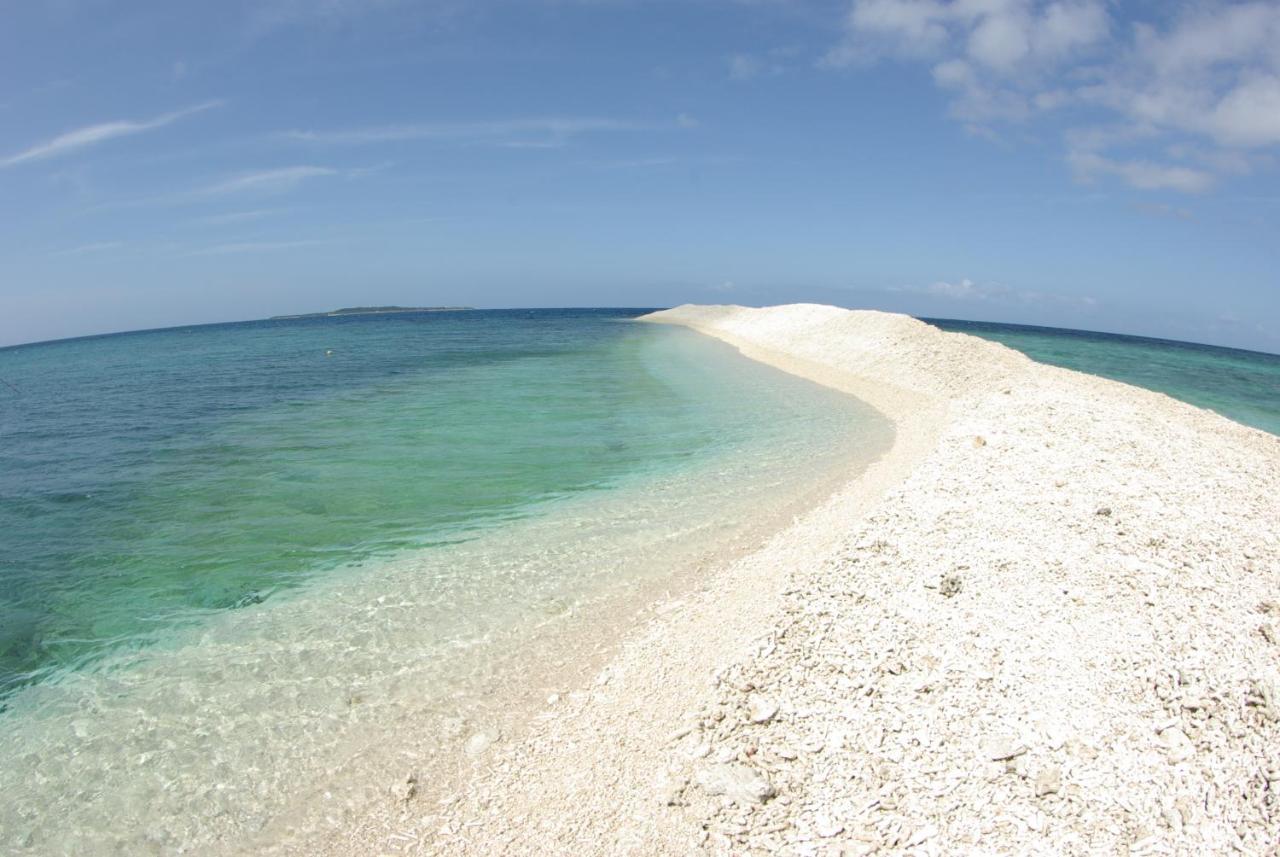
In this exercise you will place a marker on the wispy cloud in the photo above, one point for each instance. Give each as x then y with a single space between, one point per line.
86 249
1208 73
1141 174
249 247
532 132
266 181
235 189
266 16
749 67
634 163
1164 210
92 135
232 217
770 63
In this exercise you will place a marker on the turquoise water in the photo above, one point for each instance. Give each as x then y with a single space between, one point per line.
151 479
1242 385
154 477
232 557
235 559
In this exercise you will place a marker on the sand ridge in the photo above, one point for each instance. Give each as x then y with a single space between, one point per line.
1045 622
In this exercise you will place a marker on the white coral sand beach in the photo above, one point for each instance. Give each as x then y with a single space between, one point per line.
1046 622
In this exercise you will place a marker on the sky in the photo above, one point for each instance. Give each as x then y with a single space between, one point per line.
1076 163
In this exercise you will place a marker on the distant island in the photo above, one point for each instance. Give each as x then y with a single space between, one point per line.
372 310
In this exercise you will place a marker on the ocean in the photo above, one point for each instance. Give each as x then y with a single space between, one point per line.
232 556
229 554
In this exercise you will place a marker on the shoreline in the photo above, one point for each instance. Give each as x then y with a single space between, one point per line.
279 721
523 698
1042 623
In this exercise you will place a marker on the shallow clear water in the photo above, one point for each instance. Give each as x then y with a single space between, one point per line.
154 477
1242 385
232 556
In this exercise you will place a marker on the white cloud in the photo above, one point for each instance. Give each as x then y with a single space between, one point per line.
92 135
974 101
1249 115
1144 175
1000 41
1064 28
1000 34
911 27
1212 34
992 54
266 181
1207 73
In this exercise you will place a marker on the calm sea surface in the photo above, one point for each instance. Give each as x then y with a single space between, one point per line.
230 554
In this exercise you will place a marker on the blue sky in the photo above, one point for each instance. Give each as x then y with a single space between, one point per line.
1079 163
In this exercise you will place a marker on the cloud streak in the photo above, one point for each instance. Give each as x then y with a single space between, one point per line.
1141 174
267 16
1163 210
266 181
240 247
92 135
86 249
232 217
532 132
767 64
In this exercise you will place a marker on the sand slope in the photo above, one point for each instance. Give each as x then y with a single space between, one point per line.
1048 621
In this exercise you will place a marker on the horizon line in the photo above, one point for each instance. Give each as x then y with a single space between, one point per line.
308 316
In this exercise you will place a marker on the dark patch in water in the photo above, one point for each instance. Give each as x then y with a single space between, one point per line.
250 599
